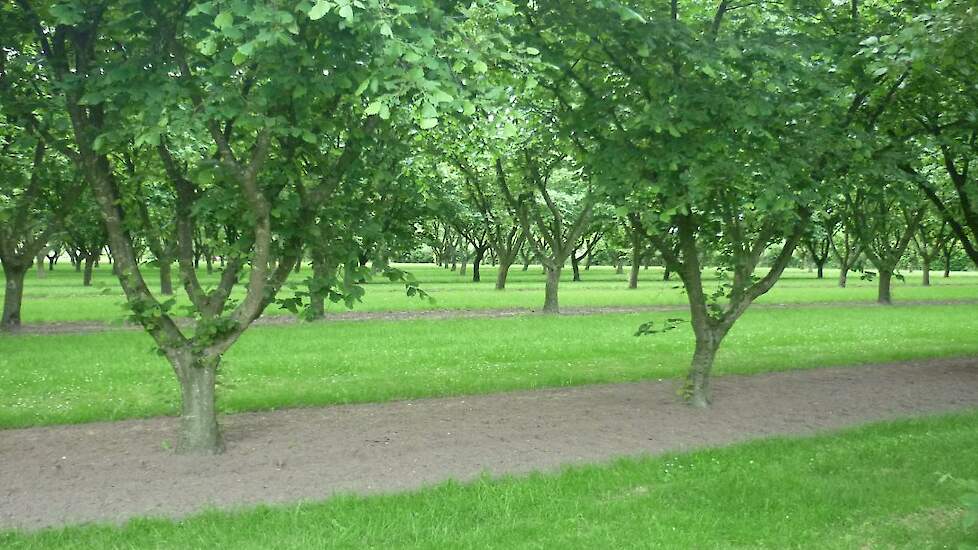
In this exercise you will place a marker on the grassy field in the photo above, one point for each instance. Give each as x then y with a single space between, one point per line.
874 487
61 297
71 378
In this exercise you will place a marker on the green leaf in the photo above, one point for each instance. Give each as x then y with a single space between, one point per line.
373 108
428 123
533 51
319 10
224 19
385 30
346 12
480 67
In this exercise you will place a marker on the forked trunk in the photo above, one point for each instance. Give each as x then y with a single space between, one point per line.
166 278
576 268
13 296
885 278
550 304
199 431
87 276
209 262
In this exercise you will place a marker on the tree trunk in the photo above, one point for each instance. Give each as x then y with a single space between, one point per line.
476 262
575 267
199 432
13 296
317 298
209 261
947 266
87 277
925 273
166 278
526 265
550 304
698 381
885 278
820 274
666 274
619 267
503 273
41 256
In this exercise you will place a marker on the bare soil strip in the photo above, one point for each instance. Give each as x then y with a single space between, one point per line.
115 471
79 327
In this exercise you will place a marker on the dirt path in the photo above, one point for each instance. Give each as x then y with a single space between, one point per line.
114 471
79 327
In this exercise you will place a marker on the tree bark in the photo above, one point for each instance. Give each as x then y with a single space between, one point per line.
13 297
87 277
666 274
843 276
199 431
550 304
476 263
885 278
41 256
619 267
317 299
704 355
820 274
925 273
575 267
209 262
503 273
166 278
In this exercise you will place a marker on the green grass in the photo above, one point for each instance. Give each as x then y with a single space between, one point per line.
873 487
72 378
61 297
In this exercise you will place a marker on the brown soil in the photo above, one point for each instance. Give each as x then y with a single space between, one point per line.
117 470
78 327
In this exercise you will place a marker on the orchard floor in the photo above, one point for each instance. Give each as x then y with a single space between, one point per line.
114 471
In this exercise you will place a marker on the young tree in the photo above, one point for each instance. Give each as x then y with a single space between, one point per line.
214 90
712 117
929 240
886 225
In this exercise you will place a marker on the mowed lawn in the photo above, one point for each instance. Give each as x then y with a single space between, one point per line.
109 375
892 485
60 297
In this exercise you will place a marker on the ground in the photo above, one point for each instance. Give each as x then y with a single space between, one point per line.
465 391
